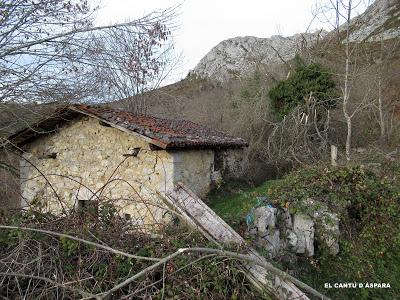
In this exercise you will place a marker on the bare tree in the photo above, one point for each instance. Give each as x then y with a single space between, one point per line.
382 106
301 137
347 80
50 52
128 64
339 15
47 46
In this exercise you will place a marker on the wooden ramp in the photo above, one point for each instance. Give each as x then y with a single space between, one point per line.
195 212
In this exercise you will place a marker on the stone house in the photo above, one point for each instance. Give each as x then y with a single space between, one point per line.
85 153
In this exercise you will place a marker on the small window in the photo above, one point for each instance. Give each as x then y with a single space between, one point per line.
88 206
82 204
127 217
52 155
218 160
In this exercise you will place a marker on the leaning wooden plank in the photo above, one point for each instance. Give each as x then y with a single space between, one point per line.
198 214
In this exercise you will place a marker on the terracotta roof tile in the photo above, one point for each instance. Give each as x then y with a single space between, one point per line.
164 133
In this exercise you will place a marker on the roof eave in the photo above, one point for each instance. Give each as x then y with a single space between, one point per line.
206 146
67 113
41 127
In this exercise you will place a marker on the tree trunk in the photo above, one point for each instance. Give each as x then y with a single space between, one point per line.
348 138
346 90
346 95
333 155
380 107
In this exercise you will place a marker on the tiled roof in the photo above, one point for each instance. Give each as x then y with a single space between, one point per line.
164 133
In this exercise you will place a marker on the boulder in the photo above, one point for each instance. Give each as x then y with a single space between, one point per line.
264 219
292 239
288 218
303 227
272 242
276 229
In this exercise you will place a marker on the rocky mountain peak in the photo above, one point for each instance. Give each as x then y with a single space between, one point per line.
380 21
240 56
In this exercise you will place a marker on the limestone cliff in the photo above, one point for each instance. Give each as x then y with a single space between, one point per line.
380 21
239 56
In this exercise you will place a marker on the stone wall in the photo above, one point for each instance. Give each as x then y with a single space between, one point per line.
195 169
232 160
90 164
85 160
227 165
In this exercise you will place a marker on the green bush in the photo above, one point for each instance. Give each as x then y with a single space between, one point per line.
302 81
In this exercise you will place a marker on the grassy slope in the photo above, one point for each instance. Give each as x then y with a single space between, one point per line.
234 200
361 258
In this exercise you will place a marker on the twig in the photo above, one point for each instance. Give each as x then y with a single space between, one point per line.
107 294
82 241
242 257
83 293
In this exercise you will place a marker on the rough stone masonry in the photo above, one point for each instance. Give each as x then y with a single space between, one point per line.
89 160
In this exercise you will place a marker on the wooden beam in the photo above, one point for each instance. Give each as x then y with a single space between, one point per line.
154 147
102 123
197 214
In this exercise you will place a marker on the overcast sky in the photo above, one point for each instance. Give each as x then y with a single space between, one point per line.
205 23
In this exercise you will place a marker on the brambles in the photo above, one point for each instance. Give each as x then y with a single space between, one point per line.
44 266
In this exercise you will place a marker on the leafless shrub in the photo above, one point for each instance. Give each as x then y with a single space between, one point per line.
302 137
9 181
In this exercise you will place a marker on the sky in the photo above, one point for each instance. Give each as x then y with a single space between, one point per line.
202 24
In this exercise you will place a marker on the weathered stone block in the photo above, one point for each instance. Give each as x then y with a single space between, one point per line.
265 219
303 227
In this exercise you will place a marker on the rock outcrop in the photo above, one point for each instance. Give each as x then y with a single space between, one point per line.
239 56
380 21
278 231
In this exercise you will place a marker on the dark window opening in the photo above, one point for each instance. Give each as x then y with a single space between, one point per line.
52 155
218 160
154 147
88 206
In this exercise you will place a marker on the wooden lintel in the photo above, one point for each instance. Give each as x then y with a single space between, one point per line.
154 147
